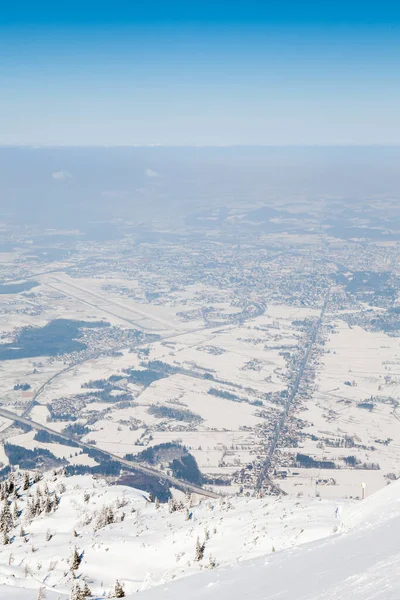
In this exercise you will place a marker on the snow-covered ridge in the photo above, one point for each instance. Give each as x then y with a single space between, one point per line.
360 564
78 530
120 534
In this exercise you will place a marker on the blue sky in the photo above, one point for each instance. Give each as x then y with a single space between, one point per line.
117 73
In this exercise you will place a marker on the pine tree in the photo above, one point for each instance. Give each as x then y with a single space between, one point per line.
156 503
22 532
75 560
119 590
26 481
30 511
86 592
6 539
37 507
48 505
76 592
199 550
171 505
6 521
15 511
110 516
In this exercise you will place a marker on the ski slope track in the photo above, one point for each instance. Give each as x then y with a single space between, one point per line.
360 563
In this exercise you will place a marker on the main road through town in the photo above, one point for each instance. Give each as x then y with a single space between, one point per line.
263 475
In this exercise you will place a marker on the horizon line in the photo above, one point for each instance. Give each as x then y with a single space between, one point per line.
249 145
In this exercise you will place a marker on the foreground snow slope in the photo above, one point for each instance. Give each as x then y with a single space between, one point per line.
362 563
145 545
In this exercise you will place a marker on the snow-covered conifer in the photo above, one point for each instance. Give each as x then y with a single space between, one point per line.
86 592
6 520
76 592
26 481
110 515
172 507
118 590
48 505
6 539
199 550
30 511
75 560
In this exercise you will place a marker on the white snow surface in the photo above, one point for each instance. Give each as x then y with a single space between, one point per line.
324 549
361 563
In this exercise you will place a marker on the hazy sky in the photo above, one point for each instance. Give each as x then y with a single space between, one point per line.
200 72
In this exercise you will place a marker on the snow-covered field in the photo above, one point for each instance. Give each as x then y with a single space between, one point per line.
246 361
356 396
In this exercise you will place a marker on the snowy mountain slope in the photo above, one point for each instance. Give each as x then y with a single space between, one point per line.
145 545
378 508
362 563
